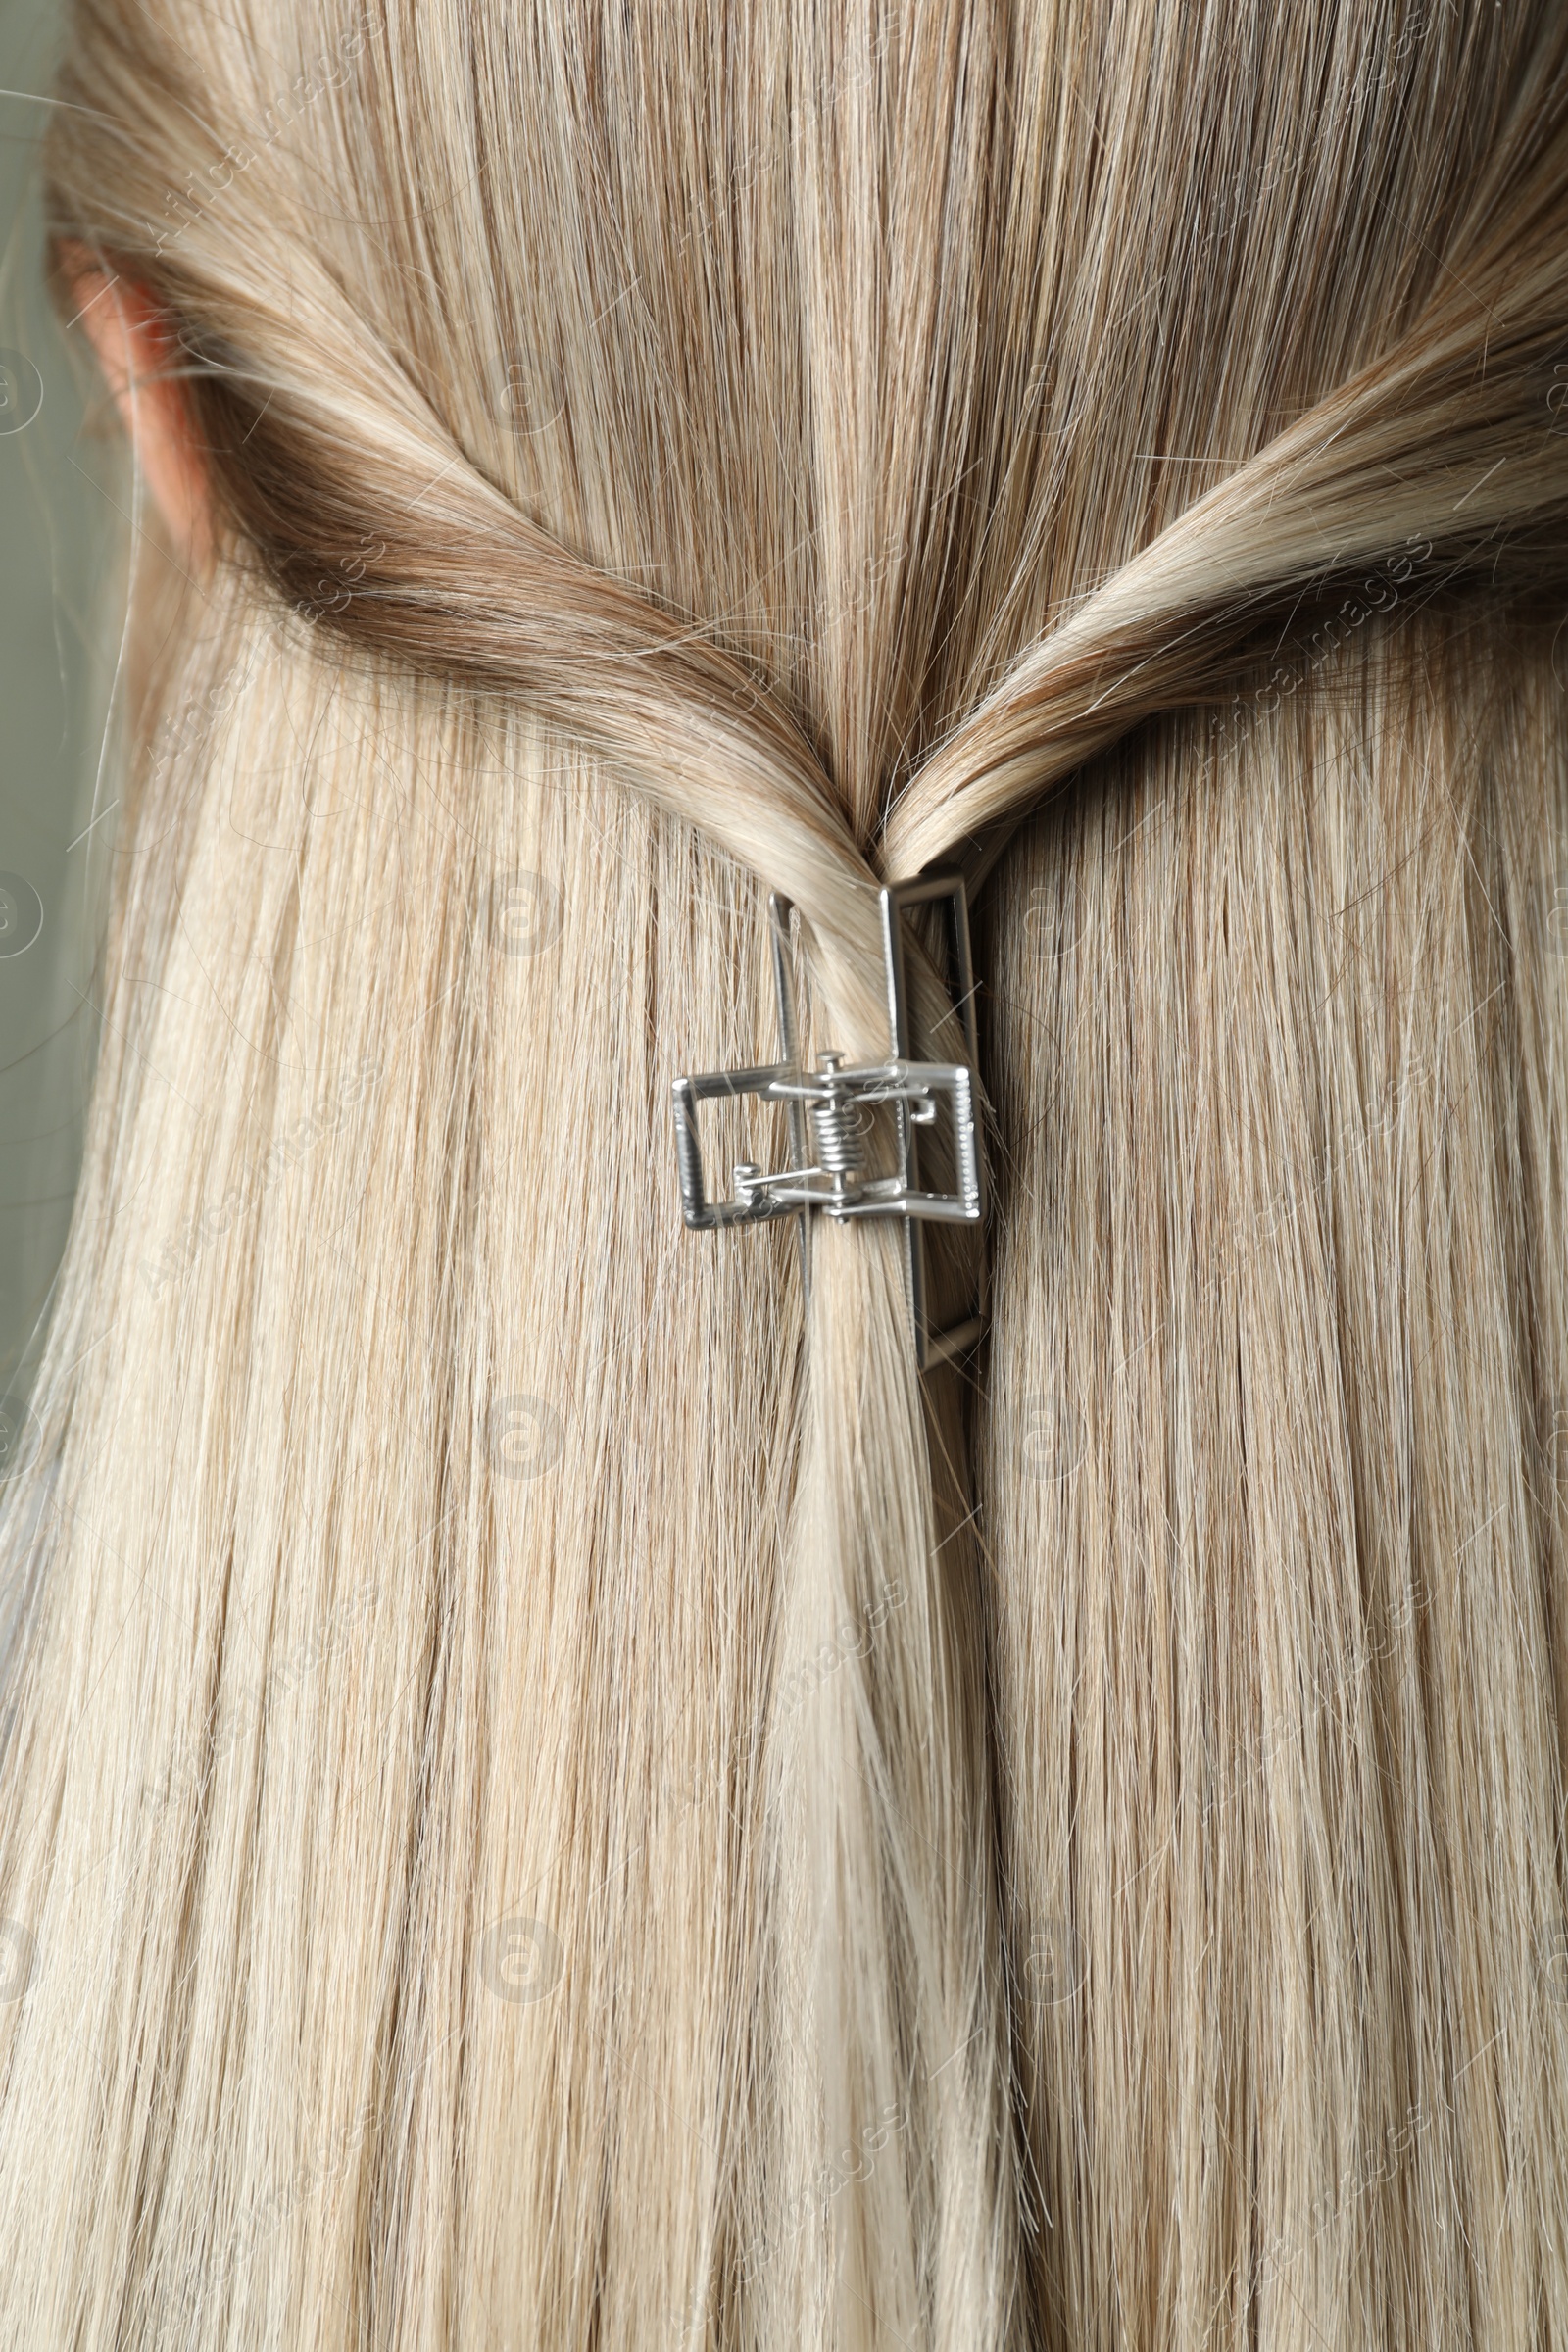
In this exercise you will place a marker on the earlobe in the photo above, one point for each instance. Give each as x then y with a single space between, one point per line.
138 352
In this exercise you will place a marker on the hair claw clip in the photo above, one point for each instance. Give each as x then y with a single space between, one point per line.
825 1108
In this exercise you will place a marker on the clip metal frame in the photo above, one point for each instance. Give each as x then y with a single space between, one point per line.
833 1098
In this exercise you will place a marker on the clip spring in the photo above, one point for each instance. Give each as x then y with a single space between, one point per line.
828 1105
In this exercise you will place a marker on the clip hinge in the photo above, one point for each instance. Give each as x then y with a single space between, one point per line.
826 1116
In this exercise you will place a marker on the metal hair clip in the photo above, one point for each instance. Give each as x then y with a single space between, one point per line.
836 1182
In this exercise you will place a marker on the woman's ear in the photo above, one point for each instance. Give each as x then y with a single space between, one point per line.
138 352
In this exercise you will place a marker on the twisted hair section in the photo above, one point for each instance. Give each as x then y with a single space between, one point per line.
368 516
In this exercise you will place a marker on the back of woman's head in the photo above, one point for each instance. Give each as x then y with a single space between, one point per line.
558 1789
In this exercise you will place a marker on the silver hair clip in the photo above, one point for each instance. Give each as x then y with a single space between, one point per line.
835 1181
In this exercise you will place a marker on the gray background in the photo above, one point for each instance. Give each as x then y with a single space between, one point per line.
60 590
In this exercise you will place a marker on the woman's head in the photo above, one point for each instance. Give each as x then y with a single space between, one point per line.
560 1790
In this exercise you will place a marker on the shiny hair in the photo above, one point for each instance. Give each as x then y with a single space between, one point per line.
556 1790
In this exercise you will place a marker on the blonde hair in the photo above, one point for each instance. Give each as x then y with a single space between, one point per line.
542 1803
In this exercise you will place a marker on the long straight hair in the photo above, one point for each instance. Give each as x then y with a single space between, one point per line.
555 1791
